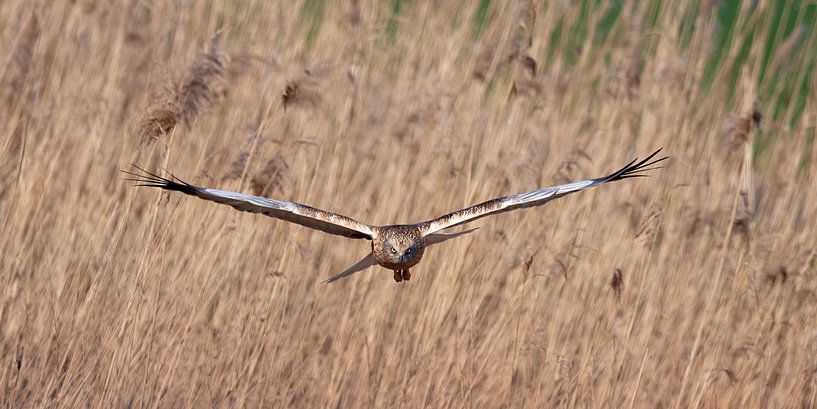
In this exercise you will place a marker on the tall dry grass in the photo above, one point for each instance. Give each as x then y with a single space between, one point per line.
693 288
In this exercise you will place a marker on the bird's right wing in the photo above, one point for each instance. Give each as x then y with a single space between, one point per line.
536 197
292 212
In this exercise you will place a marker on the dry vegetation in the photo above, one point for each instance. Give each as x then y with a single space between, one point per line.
694 288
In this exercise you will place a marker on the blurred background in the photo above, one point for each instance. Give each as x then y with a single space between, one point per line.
692 288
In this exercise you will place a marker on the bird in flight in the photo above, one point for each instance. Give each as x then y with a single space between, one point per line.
396 247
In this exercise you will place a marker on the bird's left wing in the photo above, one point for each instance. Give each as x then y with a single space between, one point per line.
536 197
304 215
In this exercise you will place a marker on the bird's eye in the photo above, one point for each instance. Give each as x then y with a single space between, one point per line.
408 251
393 250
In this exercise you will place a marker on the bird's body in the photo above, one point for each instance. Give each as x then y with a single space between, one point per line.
395 247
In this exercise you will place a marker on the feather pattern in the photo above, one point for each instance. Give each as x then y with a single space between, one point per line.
292 212
536 197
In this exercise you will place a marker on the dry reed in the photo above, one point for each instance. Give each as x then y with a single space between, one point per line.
696 287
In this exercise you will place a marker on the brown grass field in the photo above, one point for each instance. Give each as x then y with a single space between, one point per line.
696 287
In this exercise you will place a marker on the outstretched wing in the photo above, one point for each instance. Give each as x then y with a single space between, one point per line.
537 197
292 212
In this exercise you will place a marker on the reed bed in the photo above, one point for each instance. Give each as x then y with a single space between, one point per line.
696 287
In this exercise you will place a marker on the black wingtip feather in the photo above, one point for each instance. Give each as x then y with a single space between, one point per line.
636 168
146 178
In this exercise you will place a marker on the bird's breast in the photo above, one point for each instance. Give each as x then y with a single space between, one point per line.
396 263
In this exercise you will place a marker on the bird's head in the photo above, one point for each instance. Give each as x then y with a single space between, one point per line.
403 247
402 252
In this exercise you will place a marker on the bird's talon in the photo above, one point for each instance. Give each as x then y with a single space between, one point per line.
406 275
397 276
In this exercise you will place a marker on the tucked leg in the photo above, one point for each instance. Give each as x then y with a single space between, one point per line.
398 276
406 275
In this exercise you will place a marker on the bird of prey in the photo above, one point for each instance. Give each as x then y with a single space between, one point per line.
396 247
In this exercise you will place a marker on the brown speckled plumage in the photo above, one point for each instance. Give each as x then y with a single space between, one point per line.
397 247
